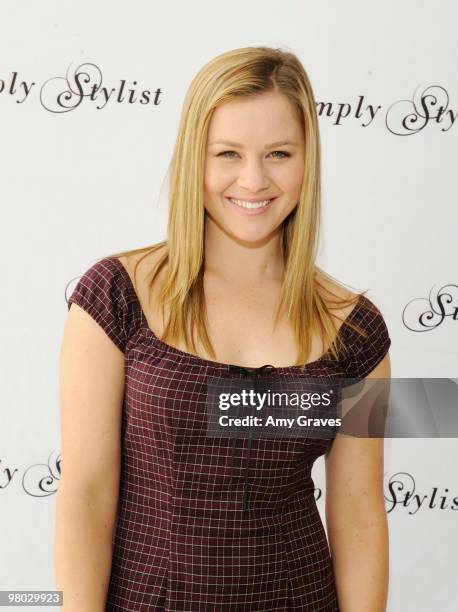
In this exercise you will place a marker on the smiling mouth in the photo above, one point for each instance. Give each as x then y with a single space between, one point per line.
251 205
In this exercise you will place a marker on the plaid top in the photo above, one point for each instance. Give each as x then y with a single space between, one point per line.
195 530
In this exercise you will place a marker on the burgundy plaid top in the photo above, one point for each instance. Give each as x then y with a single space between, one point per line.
195 529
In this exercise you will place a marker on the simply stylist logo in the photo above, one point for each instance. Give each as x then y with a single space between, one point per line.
37 480
403 117
61 94
426 314
401 493
428 105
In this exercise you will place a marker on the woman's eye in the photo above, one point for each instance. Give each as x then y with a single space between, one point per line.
224 153
228 154
282 153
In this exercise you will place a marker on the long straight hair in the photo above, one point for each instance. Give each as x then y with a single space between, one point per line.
305 301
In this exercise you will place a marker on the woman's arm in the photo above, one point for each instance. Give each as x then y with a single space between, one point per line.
356 518
91 392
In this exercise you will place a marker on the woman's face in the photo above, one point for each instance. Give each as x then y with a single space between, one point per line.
255 156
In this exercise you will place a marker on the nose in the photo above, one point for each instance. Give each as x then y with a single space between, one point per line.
253 177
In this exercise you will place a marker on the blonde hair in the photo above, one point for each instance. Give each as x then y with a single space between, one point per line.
244 72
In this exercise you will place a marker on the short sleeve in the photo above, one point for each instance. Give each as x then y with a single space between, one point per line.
365 353
101 291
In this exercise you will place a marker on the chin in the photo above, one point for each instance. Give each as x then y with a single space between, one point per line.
250 237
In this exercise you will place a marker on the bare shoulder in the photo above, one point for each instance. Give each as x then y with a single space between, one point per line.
142 261
335 291
140 265
146 258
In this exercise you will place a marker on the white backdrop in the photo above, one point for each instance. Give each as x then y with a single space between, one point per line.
80 184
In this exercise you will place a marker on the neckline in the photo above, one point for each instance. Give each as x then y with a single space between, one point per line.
210 362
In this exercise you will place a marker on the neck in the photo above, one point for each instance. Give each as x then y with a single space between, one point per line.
242 262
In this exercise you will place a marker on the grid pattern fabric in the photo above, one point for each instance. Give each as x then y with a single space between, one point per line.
183 540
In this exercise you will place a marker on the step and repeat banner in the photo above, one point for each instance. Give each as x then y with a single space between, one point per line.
90 98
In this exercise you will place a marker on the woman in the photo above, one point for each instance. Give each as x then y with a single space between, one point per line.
153 514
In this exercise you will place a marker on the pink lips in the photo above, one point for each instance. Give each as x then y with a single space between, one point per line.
251 211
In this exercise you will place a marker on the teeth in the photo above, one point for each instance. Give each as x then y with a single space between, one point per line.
244 204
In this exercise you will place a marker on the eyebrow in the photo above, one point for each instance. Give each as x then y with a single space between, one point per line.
230 143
